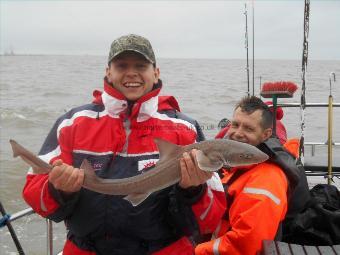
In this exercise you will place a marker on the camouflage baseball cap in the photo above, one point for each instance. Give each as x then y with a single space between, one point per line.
132 42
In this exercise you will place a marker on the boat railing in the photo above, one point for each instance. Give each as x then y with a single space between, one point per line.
7 219
327 105
307 104
314 144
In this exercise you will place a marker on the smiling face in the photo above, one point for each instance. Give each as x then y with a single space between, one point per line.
132 75
247 127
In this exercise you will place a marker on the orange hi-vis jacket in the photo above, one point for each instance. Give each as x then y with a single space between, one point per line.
292 146
258 205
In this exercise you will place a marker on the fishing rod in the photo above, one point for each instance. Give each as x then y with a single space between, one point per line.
303 87
253 12
246 46
5 220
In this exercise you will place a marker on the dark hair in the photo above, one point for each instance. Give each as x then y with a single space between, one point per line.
250 104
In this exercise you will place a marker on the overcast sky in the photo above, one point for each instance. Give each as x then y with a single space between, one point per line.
177 29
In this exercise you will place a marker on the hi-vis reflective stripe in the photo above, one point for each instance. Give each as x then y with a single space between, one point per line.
262 192
216 245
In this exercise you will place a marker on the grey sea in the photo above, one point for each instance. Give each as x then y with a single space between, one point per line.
35 90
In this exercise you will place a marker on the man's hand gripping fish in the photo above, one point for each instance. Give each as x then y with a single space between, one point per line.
211 156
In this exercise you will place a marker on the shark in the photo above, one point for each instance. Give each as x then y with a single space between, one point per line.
211 155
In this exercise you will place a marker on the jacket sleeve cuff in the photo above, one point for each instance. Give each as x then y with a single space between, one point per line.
191 195
60 197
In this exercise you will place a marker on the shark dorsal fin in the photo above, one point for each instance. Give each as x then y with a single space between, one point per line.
89 172
166 149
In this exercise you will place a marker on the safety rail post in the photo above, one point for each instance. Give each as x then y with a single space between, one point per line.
330 129
313 150
49 229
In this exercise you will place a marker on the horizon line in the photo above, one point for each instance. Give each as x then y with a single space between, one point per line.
4 54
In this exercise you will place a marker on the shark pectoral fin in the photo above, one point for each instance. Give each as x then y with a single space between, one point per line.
206 164
166 149
137 198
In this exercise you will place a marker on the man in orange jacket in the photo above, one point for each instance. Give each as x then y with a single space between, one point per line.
257 199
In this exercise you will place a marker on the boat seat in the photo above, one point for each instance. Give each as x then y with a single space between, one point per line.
270 247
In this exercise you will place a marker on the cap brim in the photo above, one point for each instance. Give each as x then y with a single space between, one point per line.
134 50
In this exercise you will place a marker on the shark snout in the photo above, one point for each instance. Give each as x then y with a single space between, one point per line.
249 157
261 157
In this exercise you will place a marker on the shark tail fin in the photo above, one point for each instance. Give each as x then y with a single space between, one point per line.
38 165
15 148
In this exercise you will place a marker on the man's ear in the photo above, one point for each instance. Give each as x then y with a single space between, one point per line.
107 70
267 133
157 73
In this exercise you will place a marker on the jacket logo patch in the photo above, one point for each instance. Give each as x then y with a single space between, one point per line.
97 166
143 164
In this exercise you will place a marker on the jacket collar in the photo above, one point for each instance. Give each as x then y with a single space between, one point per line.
117 105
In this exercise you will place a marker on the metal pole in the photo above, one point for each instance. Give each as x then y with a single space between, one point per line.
313 150
21 214
317 105
49 230
330 130
330 138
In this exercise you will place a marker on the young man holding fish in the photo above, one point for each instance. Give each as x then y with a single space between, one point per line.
115 133
256 194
